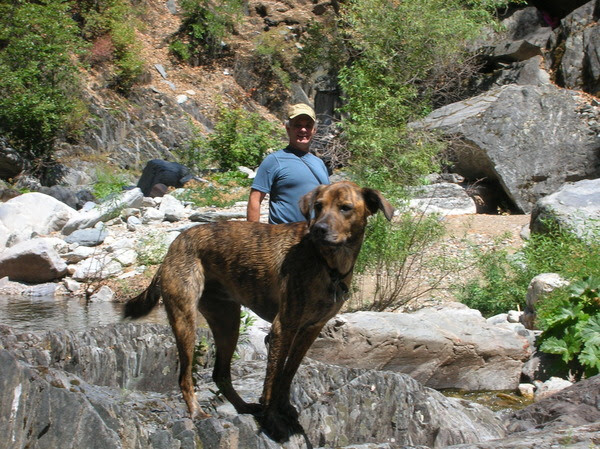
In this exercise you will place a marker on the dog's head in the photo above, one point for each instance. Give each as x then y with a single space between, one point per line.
337 213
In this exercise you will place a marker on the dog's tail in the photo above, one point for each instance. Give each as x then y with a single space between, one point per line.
142 304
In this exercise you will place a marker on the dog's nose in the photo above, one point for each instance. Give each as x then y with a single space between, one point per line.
320 229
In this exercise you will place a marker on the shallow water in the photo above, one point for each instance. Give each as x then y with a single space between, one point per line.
49 313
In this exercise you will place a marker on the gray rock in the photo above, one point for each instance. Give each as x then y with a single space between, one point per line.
447 347
212 216
32 261
108 379
173 209
574 207
88 237
539 287
442 198
105 211
530 139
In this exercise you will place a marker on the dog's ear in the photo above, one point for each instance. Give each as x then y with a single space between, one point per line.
375 201
307 202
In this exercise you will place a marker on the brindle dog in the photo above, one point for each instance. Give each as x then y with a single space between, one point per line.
295 276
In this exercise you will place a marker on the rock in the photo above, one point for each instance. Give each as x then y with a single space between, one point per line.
133 223
173 209
78 254
32 261
66 195
442 198
105 294
539 287
550 387
152 215
88 237
122 379
32 214
517 136
11 162
104 212
96 268
446 347
574 207
213 216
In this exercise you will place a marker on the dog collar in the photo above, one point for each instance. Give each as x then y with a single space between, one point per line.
338 289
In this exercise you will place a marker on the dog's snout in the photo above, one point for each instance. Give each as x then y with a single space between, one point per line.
320 229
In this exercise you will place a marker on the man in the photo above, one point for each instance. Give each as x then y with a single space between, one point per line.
288 174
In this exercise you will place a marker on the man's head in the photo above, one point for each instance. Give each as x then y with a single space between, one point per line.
300 126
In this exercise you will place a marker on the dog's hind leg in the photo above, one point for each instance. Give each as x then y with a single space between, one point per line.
180 295
223 317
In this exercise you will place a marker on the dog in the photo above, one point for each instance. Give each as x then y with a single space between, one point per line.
295 276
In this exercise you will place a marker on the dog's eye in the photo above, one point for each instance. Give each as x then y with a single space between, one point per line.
318 207
346 207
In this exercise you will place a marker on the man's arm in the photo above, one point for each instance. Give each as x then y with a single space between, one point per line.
254 200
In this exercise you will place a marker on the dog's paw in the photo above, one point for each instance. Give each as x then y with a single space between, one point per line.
279 427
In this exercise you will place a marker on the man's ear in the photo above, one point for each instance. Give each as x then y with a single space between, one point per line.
307 202
375 201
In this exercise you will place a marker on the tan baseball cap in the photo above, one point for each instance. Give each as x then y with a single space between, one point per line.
301 109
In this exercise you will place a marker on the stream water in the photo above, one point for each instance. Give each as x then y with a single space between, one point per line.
49 313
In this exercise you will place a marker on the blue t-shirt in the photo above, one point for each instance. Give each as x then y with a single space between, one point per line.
285 175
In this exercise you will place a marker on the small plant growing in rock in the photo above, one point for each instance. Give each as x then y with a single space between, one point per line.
573 331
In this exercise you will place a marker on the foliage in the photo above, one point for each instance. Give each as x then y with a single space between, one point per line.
242 138
152 249
504 279
38 75
204 27
108 183
395 48
573 329
501 286
221 190
113 19
392 253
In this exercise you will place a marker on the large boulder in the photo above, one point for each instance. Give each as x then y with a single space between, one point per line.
34 261
32 214
529 139
575 208
574 55
110 208
116 386
448 347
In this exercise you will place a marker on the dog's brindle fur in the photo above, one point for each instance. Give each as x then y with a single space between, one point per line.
292 275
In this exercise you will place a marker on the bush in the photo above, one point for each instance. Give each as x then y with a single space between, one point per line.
242 138
392 255
504 279
38 76
205 25
572 329
110 25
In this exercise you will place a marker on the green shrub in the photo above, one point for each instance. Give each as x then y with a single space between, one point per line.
108 183
39 83
242 138
392 255
572 329
204 27
501 285
504 279
221 190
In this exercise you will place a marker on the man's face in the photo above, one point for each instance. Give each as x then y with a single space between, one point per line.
300 131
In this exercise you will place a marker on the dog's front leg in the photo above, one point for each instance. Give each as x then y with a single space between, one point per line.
278 424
